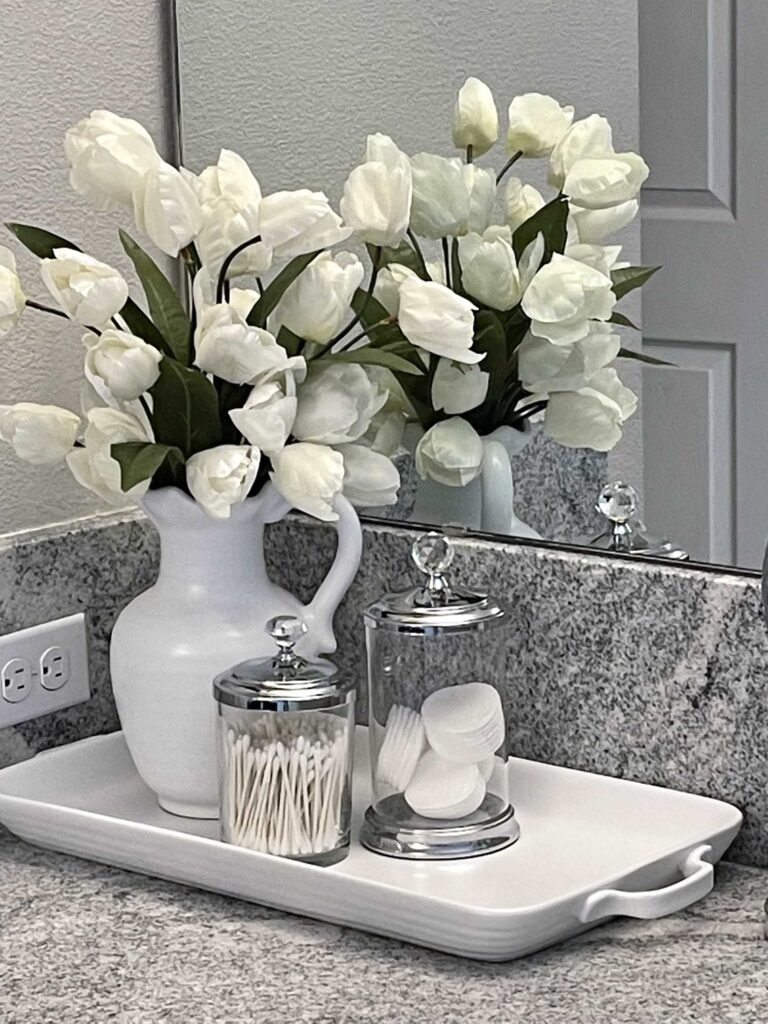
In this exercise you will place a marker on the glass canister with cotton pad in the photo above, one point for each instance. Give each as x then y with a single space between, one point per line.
436 721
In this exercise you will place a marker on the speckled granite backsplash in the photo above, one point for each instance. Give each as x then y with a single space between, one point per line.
647 672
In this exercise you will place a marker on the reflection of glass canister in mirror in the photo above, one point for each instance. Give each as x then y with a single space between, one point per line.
437 725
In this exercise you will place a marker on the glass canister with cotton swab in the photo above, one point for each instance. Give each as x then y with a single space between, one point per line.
437 726
285 740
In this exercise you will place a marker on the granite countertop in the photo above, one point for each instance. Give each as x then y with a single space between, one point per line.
80 942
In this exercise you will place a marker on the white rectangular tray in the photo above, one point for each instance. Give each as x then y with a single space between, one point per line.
591 848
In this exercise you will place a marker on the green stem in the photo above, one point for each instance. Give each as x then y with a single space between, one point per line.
46 309
228 263
417 248
447 258
58 312
146 408
512 160
470 155
358 337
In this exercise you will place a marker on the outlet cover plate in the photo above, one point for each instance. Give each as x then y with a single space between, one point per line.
32 644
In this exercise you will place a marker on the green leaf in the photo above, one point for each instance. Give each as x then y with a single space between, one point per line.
457 282
641 357
371 311
165 307
140 461
490 339
623 321
549 221
374 357
628 278
40 242
403 253
291 342
276 288
138 323
186 408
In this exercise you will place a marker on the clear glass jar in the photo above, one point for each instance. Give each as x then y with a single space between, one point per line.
436 721
285 748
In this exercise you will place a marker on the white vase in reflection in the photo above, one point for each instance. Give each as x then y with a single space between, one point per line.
206 612
486 503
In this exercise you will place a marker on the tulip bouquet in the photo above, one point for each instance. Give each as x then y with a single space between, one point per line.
284 365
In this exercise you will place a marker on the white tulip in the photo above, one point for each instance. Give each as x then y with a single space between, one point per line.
563 297
544 367
590 137
489 268
266 419
600 182
317 303
221 477
12 298
93 466
225 226
167 209
440 203
229 178
337 404
125 364
370 478
387 288
475 118
376 202
480 183
449 197
230 198
228 347
521 202
457 388
88 291
310 477
436 319
536 124
385 433
592 416
599 257
451 453
293 223
109 156
40 434
594 226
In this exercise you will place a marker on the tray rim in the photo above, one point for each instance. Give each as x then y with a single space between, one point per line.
383 887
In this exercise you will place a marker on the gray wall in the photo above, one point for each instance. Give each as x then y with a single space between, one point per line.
58 61
297 87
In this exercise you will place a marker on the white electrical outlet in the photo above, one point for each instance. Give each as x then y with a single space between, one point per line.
43 669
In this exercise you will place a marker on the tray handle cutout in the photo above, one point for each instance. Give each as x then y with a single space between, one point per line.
699 877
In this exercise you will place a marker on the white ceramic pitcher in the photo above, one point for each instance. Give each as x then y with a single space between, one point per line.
207 611
486 503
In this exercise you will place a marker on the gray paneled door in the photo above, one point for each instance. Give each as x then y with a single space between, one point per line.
704 131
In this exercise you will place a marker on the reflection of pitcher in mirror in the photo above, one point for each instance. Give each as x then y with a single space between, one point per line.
484 503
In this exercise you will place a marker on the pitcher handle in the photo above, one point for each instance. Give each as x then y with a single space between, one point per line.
498 489
321 609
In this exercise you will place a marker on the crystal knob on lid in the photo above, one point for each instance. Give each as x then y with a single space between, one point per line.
618 503
286 631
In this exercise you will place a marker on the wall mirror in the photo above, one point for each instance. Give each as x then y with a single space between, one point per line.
296 90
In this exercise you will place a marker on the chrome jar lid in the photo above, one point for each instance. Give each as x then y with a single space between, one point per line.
436 607
285 682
